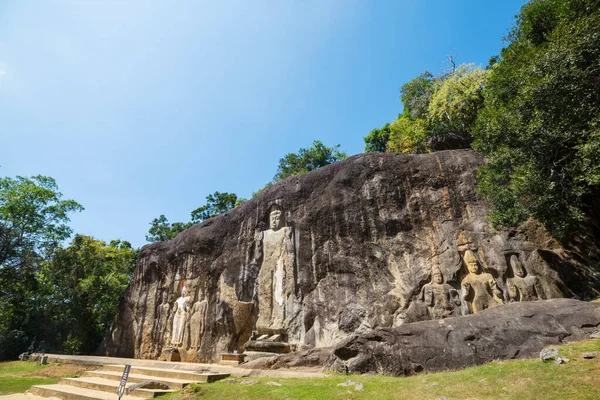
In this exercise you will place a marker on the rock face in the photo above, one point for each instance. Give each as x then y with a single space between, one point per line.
518 330
376 241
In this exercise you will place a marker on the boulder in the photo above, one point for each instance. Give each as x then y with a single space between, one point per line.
518 330
377 241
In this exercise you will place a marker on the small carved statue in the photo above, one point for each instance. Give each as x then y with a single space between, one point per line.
479 289
440 298
275 247
197 320
521 287
180 317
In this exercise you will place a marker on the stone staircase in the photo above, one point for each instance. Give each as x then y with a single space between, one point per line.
142 383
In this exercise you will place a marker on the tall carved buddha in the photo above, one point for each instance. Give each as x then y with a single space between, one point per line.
275 247
479 289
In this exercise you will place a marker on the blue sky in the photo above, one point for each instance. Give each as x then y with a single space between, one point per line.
142 108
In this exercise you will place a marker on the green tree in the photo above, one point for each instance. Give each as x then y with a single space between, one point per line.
80 288
408 136
305 160
162 230
540 125
216 203
33 223
457 99
416 95
377 139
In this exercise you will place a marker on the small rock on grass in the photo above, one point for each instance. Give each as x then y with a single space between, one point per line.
589 354
561 360
273 383
359 387
347 383
248 382
548 354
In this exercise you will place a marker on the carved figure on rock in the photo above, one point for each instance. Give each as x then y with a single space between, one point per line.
441 299
198 320
180 317
275 247
479 289
521 287
161 319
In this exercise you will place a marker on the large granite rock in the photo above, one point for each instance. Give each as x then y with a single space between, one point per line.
375 241
518 330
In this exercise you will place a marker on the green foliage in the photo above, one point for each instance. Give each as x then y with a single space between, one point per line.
216 204
305 160
457 99
33 218
161 230
432 106
408 136
377 139
540 125
417 94
33 222
81 287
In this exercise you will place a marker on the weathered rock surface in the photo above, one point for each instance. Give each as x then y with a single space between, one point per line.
518 330
337 252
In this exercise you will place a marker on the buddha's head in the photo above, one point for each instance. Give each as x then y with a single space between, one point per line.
472 262
517 267
437 276
275 219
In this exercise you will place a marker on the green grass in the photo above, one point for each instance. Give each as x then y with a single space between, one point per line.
515 379
18 376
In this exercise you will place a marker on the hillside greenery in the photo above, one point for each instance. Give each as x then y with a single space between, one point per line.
534 113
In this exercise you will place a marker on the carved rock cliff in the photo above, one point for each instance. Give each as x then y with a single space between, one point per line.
376 241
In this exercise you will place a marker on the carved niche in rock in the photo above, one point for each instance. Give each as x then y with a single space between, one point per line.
180 316
276 283
441 299
522 286
479 289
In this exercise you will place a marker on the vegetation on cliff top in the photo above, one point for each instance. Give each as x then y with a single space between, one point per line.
534 113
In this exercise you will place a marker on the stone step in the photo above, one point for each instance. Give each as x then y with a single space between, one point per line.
170 373
111 386
68 392
173 383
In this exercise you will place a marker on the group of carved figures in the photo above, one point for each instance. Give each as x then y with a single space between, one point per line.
274 253
183 313
478 289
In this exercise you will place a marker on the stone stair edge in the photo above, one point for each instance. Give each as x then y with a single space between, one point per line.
77 392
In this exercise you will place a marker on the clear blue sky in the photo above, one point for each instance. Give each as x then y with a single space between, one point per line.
142 108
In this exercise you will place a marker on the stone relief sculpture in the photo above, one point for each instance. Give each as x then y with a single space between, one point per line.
479 289
521 286
160 321
180 317
275 247
441 299
198 320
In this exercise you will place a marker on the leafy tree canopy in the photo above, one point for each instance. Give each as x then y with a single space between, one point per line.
540 125
217 203
80 288
33 218
305 160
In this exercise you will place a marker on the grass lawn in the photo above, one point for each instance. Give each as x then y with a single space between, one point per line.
516 379
19 376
